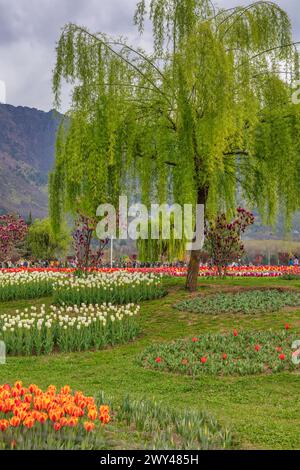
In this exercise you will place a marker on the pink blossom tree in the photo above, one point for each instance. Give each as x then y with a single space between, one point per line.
13 231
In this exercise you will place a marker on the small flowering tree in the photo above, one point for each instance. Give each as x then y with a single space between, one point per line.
86 256
13 230
223 240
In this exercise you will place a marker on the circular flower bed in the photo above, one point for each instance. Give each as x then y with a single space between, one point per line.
68 328
118 287
234 353
27 285
251 301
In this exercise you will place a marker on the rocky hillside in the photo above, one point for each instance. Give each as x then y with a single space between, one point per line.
27 141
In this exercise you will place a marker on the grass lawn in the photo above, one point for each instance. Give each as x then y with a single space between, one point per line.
262 410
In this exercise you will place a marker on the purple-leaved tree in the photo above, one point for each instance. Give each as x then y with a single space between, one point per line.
223 239
86 255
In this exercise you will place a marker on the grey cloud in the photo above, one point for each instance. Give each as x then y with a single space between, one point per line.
29 30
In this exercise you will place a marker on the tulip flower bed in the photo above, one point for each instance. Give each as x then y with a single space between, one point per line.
31 419
118 287
248 302
234 353
236 271
67 328
27 285
164 428
204 271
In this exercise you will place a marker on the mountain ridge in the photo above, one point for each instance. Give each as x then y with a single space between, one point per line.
27 147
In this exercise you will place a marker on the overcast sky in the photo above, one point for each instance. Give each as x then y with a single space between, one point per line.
29 30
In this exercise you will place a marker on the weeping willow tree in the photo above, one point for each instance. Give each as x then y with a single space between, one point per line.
165 247
207 112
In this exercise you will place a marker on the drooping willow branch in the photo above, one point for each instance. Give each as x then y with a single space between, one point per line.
244 10
120 56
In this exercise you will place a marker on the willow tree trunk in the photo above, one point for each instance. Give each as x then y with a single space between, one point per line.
194 262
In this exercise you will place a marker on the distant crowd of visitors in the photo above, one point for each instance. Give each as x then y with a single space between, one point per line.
36 264
294 261
71 263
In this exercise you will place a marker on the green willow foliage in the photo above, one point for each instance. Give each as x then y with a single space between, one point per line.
168 246
209 111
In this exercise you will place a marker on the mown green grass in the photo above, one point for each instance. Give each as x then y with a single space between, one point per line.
263 410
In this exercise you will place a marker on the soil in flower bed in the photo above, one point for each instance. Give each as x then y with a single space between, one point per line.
249 302
234 353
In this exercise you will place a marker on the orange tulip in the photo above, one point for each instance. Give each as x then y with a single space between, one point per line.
21 414
4 395
18 384
16 392
89 426
15 421
29 422
72 422
104 409
55 414
63 421
65 390
27 398
81 404
32 388
7 405
105 419
41 417
51 389
104 414
4 424
92 414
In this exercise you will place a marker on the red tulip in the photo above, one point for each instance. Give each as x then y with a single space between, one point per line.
257 347
282 357
224 356
235 333
203 360
158 359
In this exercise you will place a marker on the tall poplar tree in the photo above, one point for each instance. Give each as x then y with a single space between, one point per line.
208 112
